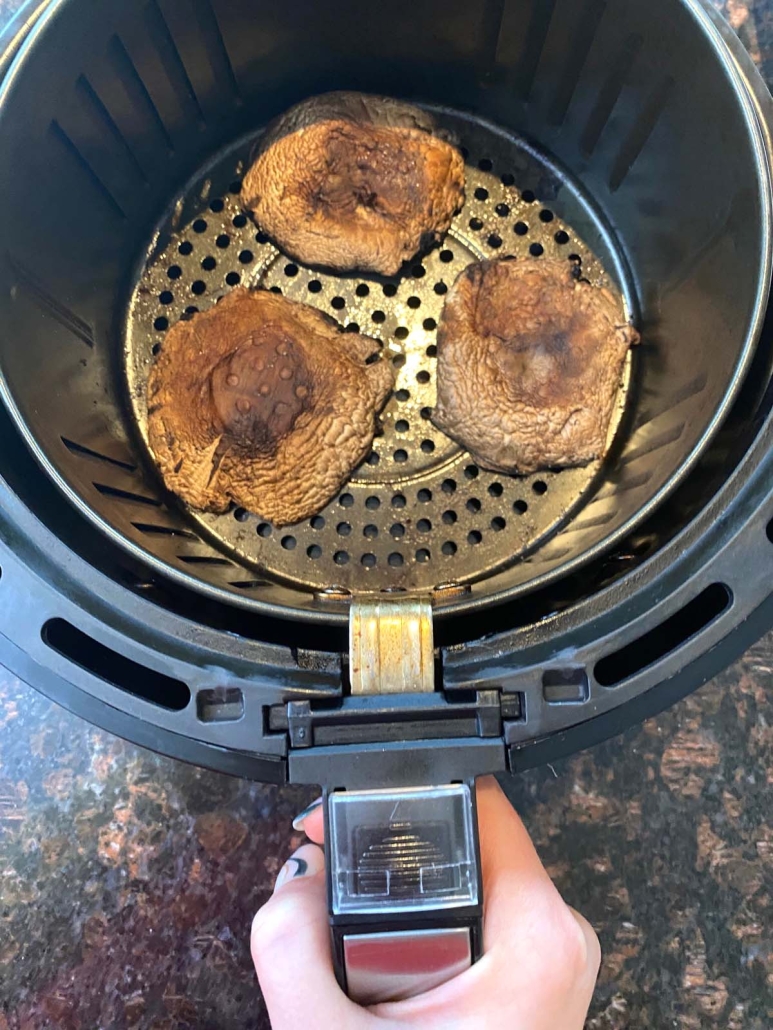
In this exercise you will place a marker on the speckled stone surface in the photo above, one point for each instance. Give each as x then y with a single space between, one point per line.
128 881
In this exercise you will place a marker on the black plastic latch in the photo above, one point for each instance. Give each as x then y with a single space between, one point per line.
299 724
489 713
387 718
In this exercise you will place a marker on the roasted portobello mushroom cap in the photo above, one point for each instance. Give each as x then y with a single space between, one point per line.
354 182
530 359
263 402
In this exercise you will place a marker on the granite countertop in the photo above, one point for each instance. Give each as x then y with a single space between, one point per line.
128 881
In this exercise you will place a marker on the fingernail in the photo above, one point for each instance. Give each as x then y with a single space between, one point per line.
299 819
292 868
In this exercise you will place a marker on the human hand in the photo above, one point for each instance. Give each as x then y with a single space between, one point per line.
538 970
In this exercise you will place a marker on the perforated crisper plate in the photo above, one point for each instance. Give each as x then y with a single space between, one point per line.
418 513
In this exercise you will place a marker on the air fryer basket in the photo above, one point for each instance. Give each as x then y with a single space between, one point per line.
590 133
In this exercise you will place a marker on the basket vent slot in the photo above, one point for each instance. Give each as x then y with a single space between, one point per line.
87 452
171 60
126 495
48 303
144 111
69 146
588 19
64 638
203 559
535 37
565 686
609 94
640 133
665 638
151 529
221 704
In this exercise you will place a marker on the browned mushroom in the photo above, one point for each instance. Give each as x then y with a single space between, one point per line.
529 364
355 182
262 401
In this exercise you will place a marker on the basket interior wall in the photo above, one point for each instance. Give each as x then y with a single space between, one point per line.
113 108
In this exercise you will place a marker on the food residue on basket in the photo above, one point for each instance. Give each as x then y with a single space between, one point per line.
261 401
529 364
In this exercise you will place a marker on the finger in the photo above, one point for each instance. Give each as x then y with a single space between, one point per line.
593 950
517 891
307 860
311 822
527 922
290 946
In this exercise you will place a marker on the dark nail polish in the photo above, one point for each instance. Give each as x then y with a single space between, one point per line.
298 820
292 868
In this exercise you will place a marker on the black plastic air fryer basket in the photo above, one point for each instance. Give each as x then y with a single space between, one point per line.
629 138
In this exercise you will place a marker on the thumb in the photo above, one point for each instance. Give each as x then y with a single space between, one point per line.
290 944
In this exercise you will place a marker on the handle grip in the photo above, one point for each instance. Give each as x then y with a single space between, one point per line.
404 888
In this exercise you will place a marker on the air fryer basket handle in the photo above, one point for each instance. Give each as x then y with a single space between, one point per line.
403 865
